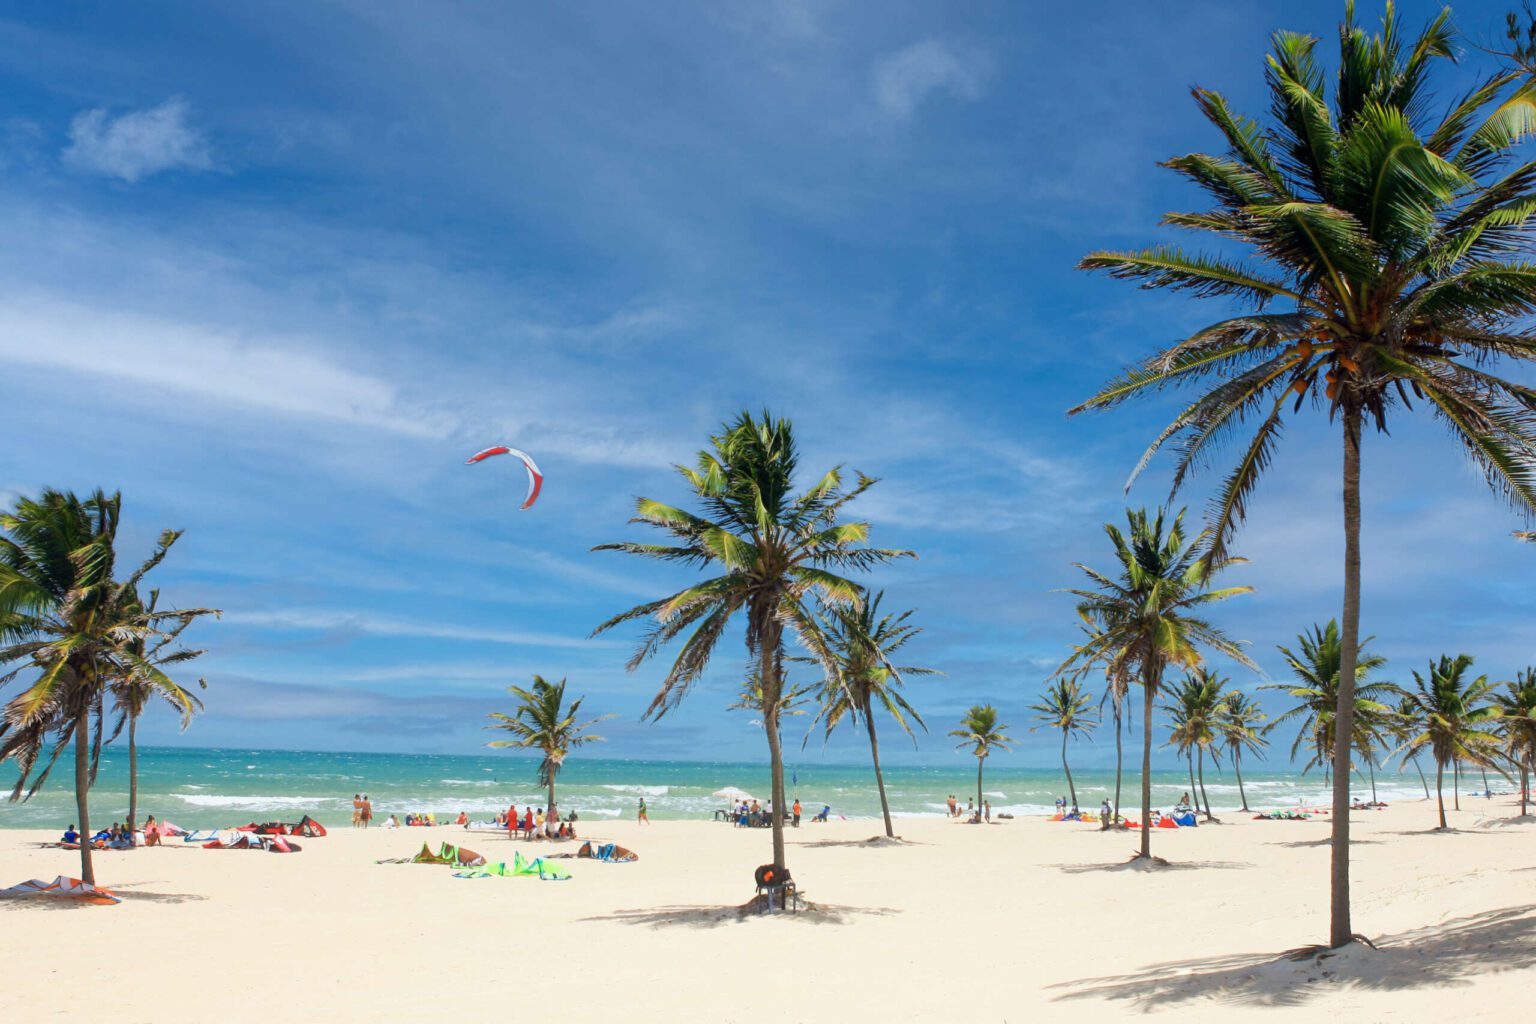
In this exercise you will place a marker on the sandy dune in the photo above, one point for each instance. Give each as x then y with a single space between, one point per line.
1023 921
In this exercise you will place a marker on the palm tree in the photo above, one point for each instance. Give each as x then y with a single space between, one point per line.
1238 723
1389 265
1067 707
775 550
1316 666
133 691
861 643
545 723
1140 620
982 733
1195 710
1517 726
63 614
1405 723
1457 719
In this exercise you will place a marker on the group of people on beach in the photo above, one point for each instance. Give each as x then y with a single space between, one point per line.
118 837
970 814
752 814
362 810
534 824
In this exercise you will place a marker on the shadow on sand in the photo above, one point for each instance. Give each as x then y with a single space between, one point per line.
872 843
1155 864
1453 953
714 917
127 892
1302 844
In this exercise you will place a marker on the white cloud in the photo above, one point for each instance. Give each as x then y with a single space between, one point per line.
321 619
255 371
903 79
137 144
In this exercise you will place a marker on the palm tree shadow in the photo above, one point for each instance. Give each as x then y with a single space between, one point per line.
1156 864
873 842
1302 844
716 916
37 902
1453 953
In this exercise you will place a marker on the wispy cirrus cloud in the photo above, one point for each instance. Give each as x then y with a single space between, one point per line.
903 80
332 620
137 144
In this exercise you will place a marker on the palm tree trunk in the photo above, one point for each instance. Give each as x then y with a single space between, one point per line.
1525 788
1189 762
981 761
550 812
1341 930
1208 815
874 753
1422 779
1067 768
1456 782
1486 790
1372 766
133 772
1440 789
82 797
1237 766
1118 760
1149 689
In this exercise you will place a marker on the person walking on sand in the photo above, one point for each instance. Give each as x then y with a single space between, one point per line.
641 816
1105 813
986 811
357 809
367 812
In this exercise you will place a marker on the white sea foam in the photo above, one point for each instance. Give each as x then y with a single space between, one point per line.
221 800
640 790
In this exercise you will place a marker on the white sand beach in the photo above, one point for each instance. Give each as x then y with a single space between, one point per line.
1026 920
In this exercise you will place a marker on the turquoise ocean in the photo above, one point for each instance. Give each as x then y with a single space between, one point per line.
202 788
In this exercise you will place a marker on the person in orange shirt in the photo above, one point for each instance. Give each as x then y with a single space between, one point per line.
797 812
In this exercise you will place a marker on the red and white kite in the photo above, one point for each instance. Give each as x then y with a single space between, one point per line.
535 478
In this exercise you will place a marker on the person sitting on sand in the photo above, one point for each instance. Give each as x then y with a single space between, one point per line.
393 822
826 809
463 818
151 832
70 835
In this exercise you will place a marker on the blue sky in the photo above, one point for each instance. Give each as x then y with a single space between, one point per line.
274 270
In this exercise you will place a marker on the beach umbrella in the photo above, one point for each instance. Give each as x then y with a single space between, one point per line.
732 793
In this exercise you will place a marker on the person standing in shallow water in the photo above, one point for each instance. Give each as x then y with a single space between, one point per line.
367 812
357 809
641 815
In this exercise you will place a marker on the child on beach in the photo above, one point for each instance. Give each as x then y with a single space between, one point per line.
642 816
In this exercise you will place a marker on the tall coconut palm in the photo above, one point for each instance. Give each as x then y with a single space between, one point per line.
1238 726
1066 706
65 616
1458 719
543 721
775 550
133 691
1517 728
861 643
1196 711
1389 264
1141 620
1315 664
981 733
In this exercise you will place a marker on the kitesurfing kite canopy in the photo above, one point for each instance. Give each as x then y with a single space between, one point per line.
535 478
